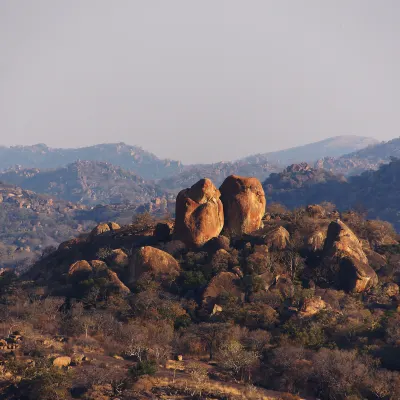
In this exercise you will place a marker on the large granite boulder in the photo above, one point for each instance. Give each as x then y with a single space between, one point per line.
199 214
343 247
161 265
244 204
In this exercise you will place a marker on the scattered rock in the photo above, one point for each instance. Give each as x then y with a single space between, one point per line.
118 260
199 214
312 306
244 204
62 362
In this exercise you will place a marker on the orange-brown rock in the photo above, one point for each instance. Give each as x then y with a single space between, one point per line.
62 362
98 265
116 282
278 238
224 282
244 204
199 214
99 229
312 306
81 269
343 246
158 263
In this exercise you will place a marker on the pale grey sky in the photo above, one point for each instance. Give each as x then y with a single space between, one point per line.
198 81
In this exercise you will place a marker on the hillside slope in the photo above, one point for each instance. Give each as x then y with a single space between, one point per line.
86 182
369 158
132 158
331 147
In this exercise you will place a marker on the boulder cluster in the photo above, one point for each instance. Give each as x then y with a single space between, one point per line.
203 211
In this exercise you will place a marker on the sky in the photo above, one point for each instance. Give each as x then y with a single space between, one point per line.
198 81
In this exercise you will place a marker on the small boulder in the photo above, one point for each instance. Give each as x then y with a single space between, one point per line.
158 263
244 204
62 362
199 214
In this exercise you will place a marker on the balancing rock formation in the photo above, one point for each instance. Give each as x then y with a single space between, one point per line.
244 204
199 214
343 246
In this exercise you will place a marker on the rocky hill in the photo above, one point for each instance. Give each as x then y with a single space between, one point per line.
331 147
369 158
223 302
375 192
131 158
87 182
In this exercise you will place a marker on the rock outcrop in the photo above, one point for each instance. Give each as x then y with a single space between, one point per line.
80 270
158 263
106 227
199 214
244 204
312 306
223 283
343 247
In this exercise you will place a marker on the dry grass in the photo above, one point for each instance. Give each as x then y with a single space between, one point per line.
232 391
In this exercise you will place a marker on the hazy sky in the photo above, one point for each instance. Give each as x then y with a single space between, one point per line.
198 81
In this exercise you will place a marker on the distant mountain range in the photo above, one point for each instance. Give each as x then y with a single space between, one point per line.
150 167
331 147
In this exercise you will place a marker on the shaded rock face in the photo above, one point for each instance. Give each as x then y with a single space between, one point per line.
156 262
278 238
244 204
80 270
199 214
343 246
